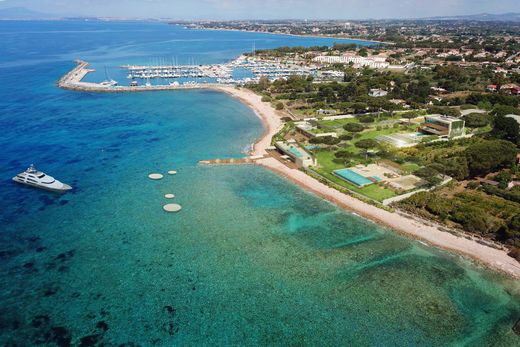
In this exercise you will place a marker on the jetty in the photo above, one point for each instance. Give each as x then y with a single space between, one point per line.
229 161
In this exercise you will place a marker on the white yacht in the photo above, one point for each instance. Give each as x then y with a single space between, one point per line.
109 83
35 178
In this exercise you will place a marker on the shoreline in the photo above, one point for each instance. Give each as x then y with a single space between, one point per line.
293 35
413 228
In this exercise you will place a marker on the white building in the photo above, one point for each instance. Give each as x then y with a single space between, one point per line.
377 93
374 62
296 153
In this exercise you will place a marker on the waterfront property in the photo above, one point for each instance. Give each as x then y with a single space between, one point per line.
355 178
443 126
364 175
375 62
295 153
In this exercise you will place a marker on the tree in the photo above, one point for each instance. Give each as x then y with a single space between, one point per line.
504 110
328 140
279 106
428 174
346 137
507 129
359 107
456 167
343 154
367 119
263 83
354 127
366 144
447 111
409 116
488 156
476 120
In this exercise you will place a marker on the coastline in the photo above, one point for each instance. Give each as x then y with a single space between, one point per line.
296 35
490 257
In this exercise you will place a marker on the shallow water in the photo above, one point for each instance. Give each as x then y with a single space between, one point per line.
250 260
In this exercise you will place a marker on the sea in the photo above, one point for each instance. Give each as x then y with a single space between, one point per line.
250 260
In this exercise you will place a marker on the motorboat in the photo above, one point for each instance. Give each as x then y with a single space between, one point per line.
38 179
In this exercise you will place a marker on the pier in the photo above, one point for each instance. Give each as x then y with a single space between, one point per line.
231 161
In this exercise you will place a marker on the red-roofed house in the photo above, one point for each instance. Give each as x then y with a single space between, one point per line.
491 88
511 88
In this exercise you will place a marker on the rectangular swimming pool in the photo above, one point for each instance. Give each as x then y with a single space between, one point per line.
295 151
353 177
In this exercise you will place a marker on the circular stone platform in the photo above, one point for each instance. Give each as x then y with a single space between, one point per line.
169 196
172 208
155 176
172 172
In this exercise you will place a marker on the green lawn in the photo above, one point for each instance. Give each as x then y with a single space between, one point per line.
338 122
410 167
327 166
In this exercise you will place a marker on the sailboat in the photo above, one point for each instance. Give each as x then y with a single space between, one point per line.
108 82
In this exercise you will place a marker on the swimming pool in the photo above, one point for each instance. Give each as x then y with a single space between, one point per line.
295 151
353 177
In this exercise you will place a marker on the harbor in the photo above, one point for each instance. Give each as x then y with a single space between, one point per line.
172 77
73 80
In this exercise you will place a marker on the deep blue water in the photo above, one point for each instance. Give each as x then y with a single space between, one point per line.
250 260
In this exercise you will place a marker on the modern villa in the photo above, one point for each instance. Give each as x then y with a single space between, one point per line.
296 153
442 126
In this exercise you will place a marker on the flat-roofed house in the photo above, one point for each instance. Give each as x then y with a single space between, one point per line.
377 93
442 126
296 153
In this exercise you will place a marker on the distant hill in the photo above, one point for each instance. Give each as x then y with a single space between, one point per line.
504 17
23 13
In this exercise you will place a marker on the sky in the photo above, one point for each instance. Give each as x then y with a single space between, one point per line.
265 9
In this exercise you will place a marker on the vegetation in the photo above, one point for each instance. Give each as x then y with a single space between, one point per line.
476 212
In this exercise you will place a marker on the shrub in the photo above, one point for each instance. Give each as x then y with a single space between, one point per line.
345 137
354 127
366 119
477 120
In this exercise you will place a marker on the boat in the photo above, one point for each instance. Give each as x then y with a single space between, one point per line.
108 82
38 179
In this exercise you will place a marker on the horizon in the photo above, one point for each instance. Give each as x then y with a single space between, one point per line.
213 10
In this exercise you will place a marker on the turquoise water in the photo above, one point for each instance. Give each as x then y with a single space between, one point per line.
250 260
295 151
353 177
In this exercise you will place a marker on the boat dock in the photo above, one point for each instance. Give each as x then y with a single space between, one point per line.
231 161
178 71
73 81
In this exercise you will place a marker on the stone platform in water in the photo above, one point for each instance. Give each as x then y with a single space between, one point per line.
155 176
172 208
169 196
172 172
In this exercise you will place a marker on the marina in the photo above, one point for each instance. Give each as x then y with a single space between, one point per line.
172 77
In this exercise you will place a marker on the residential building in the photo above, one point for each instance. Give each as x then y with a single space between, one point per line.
442 126
296 153
377 93
374 62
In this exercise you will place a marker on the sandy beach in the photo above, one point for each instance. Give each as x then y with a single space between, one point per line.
270 118
430 233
